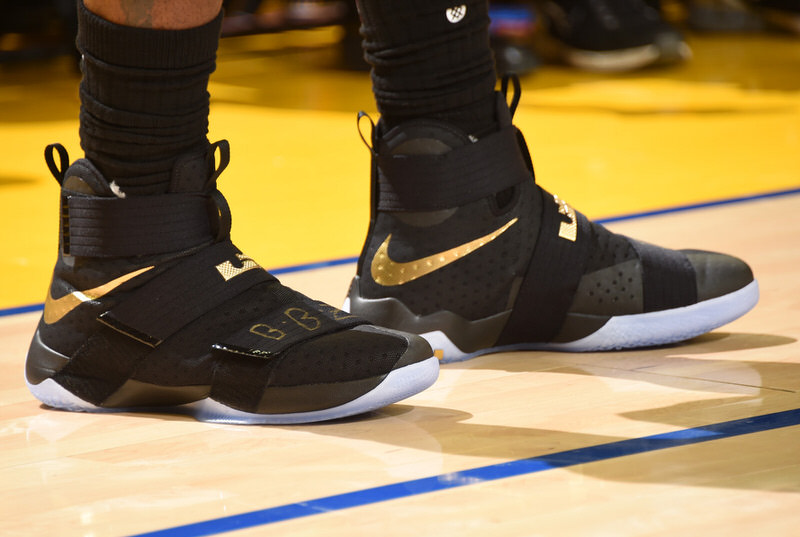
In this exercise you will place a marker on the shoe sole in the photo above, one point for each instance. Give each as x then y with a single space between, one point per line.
613 60
399 384
626 331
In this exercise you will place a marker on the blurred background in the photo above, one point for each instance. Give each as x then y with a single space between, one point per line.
594 35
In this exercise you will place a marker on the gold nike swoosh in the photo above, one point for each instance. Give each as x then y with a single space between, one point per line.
56 308
388 272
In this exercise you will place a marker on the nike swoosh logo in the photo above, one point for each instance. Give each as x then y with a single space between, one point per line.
56 308
388 272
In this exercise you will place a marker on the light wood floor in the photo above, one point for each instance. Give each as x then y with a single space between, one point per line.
78 474
575 435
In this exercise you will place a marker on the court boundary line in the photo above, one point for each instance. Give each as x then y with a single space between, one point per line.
483 474
18 310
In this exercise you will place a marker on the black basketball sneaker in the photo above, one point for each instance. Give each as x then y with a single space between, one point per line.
609 35
152 308
464 248
784 14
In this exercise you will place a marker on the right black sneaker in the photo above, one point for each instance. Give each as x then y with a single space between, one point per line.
722 16
784 14
465 249
611 35
151 308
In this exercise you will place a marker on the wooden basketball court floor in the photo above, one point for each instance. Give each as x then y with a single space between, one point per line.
699 438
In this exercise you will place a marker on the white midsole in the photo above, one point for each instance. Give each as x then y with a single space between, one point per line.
398 385
627 331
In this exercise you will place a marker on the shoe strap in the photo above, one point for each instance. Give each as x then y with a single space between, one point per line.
553 275
465 174
668 278
94 226
167 304
557 266
297 319
193 287
204 281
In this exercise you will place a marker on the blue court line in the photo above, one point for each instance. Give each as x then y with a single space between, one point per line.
312 266
632 216
702 205
21 309
564 459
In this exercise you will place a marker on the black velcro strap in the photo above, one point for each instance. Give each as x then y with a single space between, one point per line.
553 274
193 287
125 227
465 174
668 278
298 319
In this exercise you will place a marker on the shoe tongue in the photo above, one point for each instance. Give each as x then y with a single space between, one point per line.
423 137
435 137
191 172
82 177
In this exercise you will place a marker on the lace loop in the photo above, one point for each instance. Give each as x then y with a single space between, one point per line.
361 115
57 171
515 97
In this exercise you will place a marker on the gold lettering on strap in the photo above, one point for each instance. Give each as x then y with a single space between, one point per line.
228 271
265 330
567 230
303 319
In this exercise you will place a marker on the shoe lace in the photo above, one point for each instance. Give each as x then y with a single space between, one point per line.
515 97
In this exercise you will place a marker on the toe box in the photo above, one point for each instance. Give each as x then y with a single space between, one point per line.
718 274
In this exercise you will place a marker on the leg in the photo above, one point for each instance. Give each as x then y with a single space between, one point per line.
465 249
156 14
151 305
424 65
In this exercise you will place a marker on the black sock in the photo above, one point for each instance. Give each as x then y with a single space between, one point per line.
144 98
425 66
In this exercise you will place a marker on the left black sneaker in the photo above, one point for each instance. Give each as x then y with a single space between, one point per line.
151 308
465 249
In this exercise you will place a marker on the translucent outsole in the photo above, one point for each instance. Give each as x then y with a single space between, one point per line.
629 331
398 385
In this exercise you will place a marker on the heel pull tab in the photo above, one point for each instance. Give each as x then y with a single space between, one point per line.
361 115
58 171
218 208
219 165
515 97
